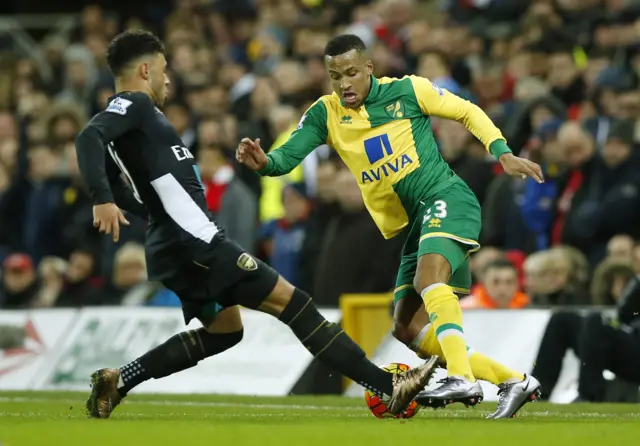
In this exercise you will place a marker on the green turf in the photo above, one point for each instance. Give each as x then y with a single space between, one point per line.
57 418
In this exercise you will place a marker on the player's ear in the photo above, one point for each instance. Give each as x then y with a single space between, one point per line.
145 70
369 66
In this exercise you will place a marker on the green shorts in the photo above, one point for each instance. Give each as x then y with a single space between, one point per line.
450 226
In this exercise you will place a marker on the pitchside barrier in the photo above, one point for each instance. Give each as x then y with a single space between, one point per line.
57 349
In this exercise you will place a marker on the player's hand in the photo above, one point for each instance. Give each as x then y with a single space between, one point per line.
521 167
251 154
107 218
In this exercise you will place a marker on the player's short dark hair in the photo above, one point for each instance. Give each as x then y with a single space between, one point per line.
130 45
500 264
344 43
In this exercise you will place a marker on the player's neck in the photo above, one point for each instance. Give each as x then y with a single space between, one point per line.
133 85
370 87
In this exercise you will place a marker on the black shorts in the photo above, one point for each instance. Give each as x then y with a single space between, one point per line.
224 276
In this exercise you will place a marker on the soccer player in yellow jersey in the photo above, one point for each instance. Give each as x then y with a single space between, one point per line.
381 128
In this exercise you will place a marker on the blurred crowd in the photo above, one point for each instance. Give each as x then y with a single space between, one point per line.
559 77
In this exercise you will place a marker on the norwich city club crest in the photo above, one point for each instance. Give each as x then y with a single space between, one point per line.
247 263
395 110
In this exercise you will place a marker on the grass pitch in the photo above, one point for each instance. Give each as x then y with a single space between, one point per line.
57 418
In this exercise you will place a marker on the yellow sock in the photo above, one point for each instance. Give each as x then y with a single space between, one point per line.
487 369
446 317
426 344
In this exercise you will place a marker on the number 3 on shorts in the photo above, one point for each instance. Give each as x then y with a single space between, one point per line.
441 210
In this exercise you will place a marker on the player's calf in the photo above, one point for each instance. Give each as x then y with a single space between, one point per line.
178 353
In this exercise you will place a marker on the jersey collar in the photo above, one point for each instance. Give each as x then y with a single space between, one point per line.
373 91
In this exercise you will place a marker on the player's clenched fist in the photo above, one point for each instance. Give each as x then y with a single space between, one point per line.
107 218
251 154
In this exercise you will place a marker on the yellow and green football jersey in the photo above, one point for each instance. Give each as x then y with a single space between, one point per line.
388 144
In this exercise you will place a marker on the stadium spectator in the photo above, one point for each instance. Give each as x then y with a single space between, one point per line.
609 203
20 282
498 289
559 77
609 280
482 259
235 207
620 247
129 285
51 272
600 344
556 277
179 115
35 203
323 210
636 258
82 286
456 148
282 239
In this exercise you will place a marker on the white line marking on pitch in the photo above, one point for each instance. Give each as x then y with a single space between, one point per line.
448 413
187 403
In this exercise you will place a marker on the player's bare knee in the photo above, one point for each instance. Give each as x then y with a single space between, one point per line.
402 332
431 269
279 298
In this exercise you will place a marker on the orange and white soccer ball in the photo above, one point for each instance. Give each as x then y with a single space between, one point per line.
378 408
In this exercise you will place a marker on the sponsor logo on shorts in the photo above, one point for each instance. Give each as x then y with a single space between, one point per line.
434 222
247 263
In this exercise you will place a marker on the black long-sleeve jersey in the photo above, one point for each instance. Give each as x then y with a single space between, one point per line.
133 137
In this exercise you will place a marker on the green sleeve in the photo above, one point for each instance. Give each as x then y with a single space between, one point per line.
310 133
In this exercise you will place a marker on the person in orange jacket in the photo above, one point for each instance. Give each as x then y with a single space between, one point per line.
499 289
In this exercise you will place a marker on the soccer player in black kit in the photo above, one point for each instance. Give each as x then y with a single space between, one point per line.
186 250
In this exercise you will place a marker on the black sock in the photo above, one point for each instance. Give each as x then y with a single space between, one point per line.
329 343
178 353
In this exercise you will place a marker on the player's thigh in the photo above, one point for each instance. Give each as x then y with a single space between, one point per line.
407 268
460 280
450 228
235 277
217 280
259 286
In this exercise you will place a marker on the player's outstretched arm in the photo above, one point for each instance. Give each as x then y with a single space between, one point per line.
310 133
123 113
435 101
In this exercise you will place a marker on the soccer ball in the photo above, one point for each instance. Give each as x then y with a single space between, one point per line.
378 408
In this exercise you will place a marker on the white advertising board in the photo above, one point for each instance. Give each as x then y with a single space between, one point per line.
268 361
29 344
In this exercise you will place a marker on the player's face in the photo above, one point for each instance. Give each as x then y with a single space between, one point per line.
350 75
159 79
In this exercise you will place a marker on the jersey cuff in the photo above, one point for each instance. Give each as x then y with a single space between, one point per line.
102 197
498 148
267 169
